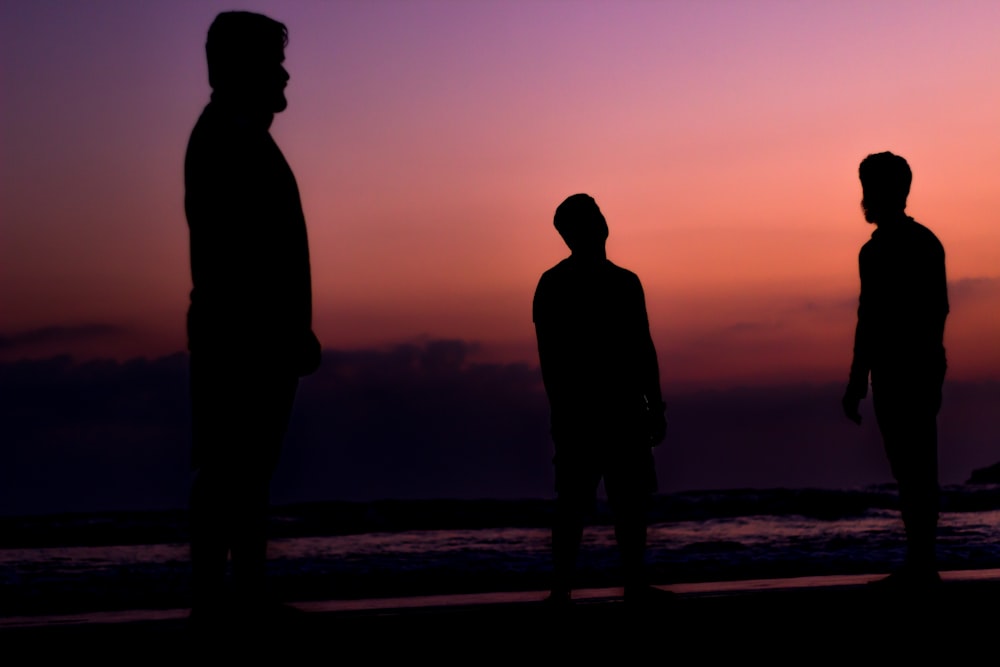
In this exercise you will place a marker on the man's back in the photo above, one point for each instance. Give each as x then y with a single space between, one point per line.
596 355
904 300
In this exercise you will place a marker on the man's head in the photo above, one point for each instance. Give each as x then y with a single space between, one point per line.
885 185
581 224
245 54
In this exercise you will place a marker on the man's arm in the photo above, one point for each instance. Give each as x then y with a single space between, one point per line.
857 384
228 205
248 253
650 369
545 338
544 359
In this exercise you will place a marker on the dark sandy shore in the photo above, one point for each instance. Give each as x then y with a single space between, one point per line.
812 621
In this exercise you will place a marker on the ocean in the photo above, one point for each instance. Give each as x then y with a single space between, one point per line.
70 563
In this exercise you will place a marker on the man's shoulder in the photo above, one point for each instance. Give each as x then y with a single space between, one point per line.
622 278
622 271
219 144
870 245
909 236
556 272
213 124
209 133
568 271
556 281
912 234
925 233
217 127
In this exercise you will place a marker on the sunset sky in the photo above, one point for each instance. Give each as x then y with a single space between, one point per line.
432 141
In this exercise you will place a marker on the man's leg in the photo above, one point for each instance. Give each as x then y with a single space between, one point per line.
630 483
567 535
268 409
919 493
630 534
239 422
577 480
249 543
210 532
209 498
908 423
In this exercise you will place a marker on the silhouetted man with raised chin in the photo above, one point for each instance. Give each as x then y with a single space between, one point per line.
602 378
899 345
250 318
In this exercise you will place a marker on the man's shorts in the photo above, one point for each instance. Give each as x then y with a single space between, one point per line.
626 466
239 415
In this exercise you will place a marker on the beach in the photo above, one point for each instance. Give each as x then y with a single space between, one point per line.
778 576
802 620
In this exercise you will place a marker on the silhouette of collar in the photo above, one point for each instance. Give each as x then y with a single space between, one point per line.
244 118
894 222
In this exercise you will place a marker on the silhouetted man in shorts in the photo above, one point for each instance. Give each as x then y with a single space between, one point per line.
602 378
249 321
899 346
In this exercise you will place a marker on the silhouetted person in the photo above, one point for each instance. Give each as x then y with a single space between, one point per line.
249 322
602 378
899 344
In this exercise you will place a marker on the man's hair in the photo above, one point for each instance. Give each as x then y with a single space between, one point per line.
885 178
238 39
579 218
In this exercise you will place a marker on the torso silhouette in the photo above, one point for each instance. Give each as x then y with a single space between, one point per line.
596 354
249 254
903 307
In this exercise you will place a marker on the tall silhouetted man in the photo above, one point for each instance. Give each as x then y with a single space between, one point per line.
249 322
602 378
899 347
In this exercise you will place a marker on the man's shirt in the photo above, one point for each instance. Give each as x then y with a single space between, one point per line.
597 358
250 270
902 308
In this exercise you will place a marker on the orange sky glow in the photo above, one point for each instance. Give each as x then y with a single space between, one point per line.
432 141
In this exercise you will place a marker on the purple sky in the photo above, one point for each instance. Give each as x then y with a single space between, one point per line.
432 141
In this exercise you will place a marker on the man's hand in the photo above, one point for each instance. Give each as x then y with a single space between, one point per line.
658 429
656 423
309 355
850 403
